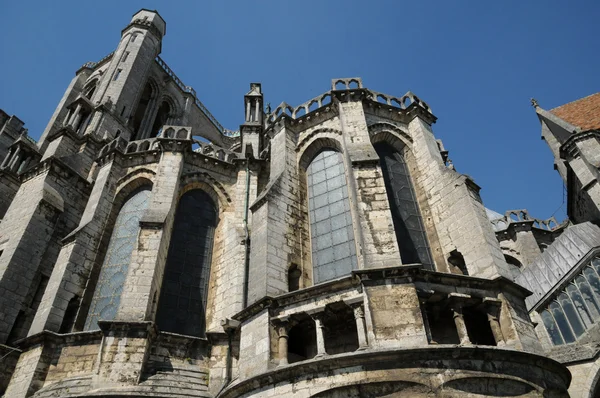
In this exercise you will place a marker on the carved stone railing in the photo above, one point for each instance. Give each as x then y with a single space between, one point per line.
190 90
325 99
92 65
214 151
403 102
522 215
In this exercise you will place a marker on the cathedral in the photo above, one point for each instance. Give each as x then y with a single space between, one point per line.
328 249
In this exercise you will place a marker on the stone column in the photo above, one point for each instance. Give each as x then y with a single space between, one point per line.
492 307
76 117
456 305
318 318
15 159
359 316
7 159
282 333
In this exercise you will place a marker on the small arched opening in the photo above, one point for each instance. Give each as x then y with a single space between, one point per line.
294 275
457 264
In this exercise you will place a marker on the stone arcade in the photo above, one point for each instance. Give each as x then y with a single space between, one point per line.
324 250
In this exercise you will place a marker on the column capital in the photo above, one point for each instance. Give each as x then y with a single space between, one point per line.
359 311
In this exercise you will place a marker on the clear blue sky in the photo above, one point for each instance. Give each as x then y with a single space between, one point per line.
477 64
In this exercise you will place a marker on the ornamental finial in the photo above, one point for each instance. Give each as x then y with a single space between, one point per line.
534 103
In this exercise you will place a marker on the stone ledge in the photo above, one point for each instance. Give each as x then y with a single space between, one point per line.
425 363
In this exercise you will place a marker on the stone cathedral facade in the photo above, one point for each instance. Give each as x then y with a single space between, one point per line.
328 249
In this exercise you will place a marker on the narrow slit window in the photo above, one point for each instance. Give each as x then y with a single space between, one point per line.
125 56
117 74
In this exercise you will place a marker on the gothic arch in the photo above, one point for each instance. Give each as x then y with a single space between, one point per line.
90 87
316 142
144 108
389 133
136 194
206 182
183 300
134 179
411 234
330 222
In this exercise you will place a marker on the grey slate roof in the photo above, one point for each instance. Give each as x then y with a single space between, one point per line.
493 215
557 260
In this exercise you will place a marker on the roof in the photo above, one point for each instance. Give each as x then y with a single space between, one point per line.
583 113
493 215
565 253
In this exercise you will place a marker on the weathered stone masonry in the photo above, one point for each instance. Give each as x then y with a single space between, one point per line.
414 295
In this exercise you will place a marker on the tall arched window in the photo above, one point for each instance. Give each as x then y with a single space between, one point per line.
410 232
331 233
113 273
163 114
145 104
182 303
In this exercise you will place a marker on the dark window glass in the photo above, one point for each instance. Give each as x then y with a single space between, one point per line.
107 295
551 327
590 298
571 313
561 321
332 236
580 305
410 232
182 303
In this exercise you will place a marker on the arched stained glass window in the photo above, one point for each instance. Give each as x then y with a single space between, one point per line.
572 315
580 305
410 232
332 236
590 298
551 327
561 321
107 295
182 303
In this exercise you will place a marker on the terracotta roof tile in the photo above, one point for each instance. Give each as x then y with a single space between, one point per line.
583 113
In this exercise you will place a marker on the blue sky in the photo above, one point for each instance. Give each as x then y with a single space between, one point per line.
476 63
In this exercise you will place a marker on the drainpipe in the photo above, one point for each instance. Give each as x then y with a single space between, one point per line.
246 236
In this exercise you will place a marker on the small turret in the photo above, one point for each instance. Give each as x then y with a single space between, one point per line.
253 121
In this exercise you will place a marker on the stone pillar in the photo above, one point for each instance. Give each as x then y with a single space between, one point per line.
374 228
144 277
318 318
74 262
15 159
456 305
492 307
76 117
282 334
455 203
7 159
29 222
359 316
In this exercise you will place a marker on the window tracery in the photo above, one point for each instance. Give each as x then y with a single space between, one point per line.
184 291
575 308
332 234
408 224
113 273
